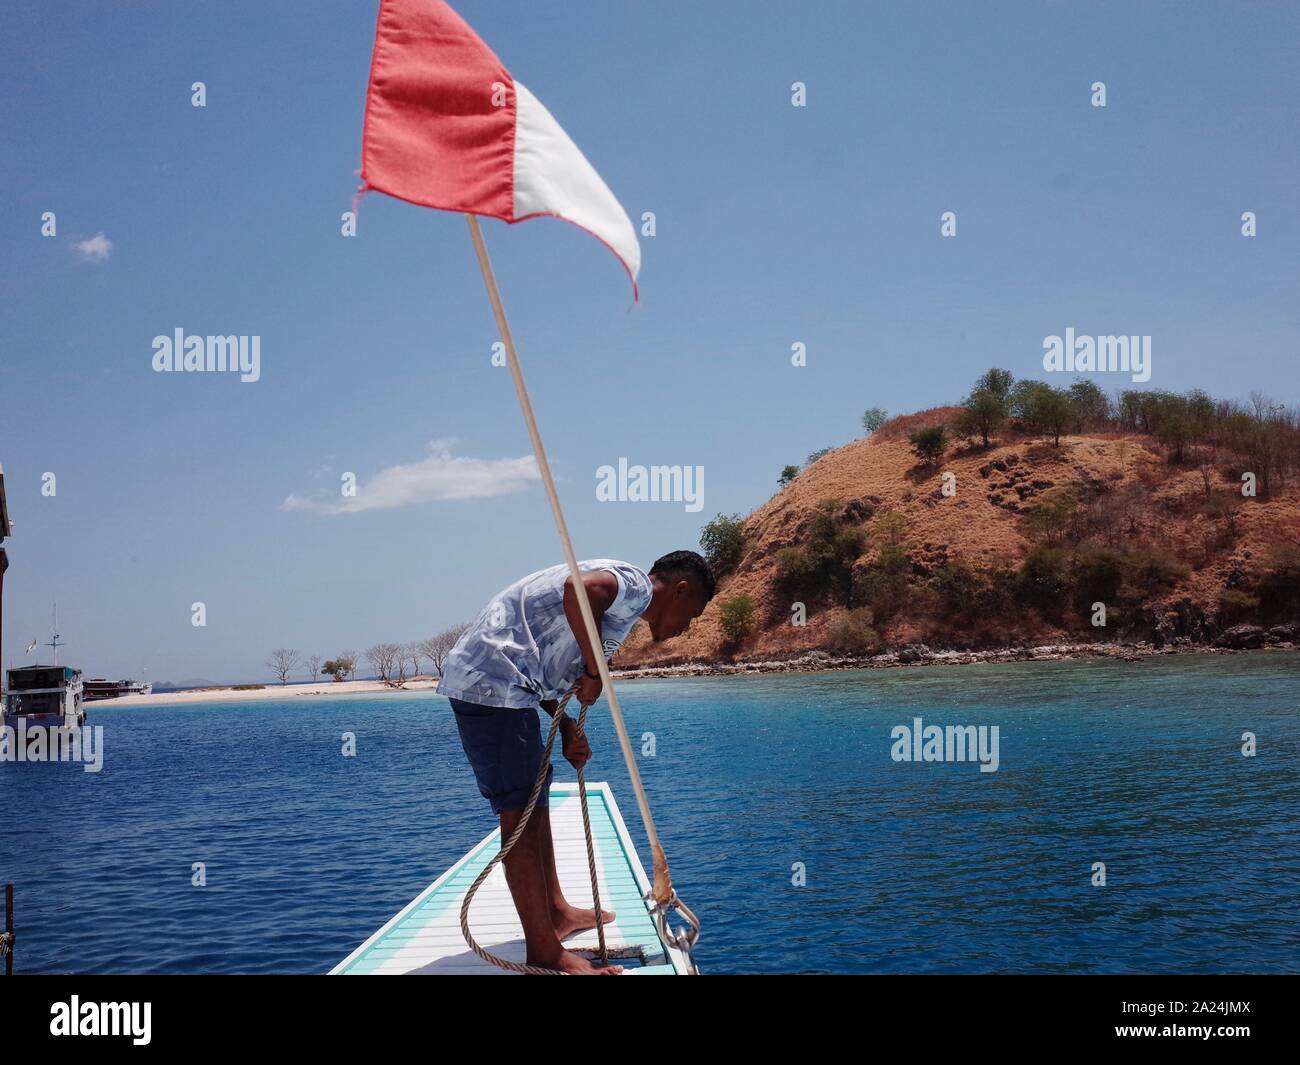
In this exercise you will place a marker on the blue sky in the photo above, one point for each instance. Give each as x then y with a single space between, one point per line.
775 224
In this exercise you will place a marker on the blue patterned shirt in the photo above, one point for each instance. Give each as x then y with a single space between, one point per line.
520 649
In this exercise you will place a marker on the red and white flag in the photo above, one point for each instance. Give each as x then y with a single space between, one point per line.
447 126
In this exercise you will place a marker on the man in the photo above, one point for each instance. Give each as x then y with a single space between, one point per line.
523 652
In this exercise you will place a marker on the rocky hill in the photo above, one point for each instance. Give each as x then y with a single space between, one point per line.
1011 545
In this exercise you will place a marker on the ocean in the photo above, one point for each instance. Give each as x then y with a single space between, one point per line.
792 830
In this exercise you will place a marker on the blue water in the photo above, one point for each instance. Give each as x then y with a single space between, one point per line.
927 867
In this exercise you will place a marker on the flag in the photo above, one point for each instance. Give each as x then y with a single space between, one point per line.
447 126
30 648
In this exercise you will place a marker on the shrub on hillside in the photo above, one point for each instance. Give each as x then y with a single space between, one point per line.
1236 605
1098 574
1044 578
1001 580
823 563
884 585
1279 585
854 633
1152 571
929 443
961 588
1053 513
794 572
736 616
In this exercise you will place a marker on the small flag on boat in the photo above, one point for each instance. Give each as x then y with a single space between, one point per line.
30 648
447 126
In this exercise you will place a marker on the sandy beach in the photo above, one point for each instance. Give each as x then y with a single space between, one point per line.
813 662
270 691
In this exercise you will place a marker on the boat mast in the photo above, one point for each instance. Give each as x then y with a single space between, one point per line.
54 628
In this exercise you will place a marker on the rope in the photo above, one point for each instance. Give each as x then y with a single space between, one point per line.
6 943
487 956
591 847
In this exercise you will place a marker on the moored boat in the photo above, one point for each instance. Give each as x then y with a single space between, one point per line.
46 696
98 688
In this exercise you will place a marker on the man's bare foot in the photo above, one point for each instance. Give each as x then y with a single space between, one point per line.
576 965
570 921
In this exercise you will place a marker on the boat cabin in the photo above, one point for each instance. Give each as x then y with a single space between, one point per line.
47 696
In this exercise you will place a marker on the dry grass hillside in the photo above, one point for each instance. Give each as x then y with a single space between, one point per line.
1173 550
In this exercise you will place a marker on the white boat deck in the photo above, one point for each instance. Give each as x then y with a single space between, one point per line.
425 937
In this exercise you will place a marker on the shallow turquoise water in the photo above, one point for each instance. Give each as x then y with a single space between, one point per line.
910 867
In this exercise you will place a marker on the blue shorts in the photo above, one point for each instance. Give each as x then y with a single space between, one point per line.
504 747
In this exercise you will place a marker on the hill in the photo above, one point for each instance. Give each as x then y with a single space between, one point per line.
1013 544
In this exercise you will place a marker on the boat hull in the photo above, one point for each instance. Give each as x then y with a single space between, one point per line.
425 937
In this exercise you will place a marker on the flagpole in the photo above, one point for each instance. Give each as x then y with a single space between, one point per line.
663 882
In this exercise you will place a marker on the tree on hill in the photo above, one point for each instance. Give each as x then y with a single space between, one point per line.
787 475
1091 405
998 382
982 412
722 542
1042 408
873 418
929 443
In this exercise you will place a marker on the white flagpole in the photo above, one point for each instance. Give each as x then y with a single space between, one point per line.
663 882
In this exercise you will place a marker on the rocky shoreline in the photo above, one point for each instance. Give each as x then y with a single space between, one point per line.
1237 640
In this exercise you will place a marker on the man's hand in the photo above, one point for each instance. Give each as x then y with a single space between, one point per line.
577 751
589 689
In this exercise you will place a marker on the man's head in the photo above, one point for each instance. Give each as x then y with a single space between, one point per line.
683 585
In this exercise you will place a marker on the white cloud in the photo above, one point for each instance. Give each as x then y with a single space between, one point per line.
94 250
440 477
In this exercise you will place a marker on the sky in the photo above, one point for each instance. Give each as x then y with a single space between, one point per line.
775 225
